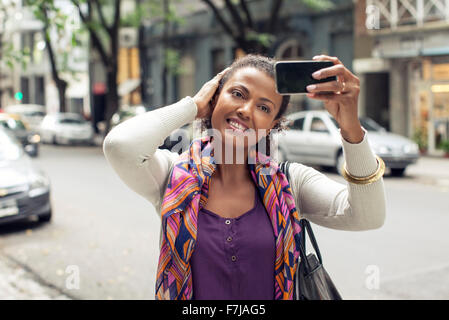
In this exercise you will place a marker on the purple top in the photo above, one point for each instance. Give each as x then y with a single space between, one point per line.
233 259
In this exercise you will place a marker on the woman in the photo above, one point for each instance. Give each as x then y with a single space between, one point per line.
228 228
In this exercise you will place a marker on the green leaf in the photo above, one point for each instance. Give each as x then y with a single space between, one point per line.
318 4
265 39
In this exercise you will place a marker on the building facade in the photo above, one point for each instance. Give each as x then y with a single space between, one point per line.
34 84
402 57
205 49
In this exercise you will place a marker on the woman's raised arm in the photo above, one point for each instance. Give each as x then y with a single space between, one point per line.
341 206
131 148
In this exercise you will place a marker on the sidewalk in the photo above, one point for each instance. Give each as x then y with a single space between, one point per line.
430 170
18 284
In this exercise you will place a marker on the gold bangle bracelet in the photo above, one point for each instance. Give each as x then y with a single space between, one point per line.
369 179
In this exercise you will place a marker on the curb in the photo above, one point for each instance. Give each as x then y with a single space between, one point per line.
19 283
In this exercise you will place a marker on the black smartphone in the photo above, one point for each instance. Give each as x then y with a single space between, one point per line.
292 77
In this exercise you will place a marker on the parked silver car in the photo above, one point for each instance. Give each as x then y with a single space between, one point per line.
314 139
24 189
66 128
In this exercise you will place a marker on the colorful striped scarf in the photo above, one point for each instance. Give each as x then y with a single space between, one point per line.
186 193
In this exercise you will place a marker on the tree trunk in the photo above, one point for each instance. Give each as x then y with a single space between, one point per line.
62 87
61 84
112 98
164 48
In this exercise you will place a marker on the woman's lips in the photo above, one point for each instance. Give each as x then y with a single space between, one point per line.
236 125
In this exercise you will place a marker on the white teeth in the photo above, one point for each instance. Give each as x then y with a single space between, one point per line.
237 125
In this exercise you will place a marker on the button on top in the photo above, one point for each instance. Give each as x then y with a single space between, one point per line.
228 221
229 239
233 258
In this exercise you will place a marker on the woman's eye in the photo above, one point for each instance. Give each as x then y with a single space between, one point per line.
237 94
265 109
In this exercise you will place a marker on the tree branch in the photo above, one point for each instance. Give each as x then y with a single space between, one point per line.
95 39
115 29
101 15
275 9
220 18
245 9
51 54
116 14
236 16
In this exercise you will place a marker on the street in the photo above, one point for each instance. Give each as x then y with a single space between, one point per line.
109 236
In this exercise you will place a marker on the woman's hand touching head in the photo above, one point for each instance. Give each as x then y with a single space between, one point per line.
203 99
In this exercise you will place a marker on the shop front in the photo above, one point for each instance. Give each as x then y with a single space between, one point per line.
430 110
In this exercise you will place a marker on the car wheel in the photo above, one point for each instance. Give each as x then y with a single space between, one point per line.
340 162
46 217
397 172
55 140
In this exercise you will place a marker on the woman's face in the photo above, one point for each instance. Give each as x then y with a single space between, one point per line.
248 100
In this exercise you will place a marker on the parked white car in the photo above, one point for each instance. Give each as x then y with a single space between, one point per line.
313 138
66 128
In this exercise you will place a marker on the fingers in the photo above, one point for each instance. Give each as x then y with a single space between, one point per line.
222 73
322 57
336 70
326 96
343 72
204 96
332 86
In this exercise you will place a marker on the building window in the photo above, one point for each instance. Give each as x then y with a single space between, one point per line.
218 61
39 92
27 43
186 79
76 105
25 89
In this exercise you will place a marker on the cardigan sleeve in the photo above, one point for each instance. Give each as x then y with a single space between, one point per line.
341 206
131 148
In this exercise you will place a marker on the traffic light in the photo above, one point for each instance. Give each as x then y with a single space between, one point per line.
18 96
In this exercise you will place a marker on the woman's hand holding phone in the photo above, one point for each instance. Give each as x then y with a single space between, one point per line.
205 94
340 97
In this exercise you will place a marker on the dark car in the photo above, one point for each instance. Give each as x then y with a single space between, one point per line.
24 189
29 139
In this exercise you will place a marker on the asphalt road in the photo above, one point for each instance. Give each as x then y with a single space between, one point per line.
108 235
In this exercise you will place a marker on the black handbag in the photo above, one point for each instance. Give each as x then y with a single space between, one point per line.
312 282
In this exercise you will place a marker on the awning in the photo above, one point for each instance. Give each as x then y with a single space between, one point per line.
435 51
128 86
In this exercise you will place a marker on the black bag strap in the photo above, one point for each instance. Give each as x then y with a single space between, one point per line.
305 226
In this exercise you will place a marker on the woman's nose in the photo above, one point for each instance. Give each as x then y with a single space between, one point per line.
245 110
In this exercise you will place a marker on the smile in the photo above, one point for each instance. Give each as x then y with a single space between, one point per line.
237 126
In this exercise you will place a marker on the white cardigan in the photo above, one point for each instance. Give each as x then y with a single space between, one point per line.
131 148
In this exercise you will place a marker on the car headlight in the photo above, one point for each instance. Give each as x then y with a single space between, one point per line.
411 148
39 184
35 138
115 118
381 149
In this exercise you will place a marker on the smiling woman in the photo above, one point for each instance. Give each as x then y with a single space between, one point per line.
229 228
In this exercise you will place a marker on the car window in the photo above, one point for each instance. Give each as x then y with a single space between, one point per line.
318 125
367 123
13 124
297 124
35 114
370 124
71 121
